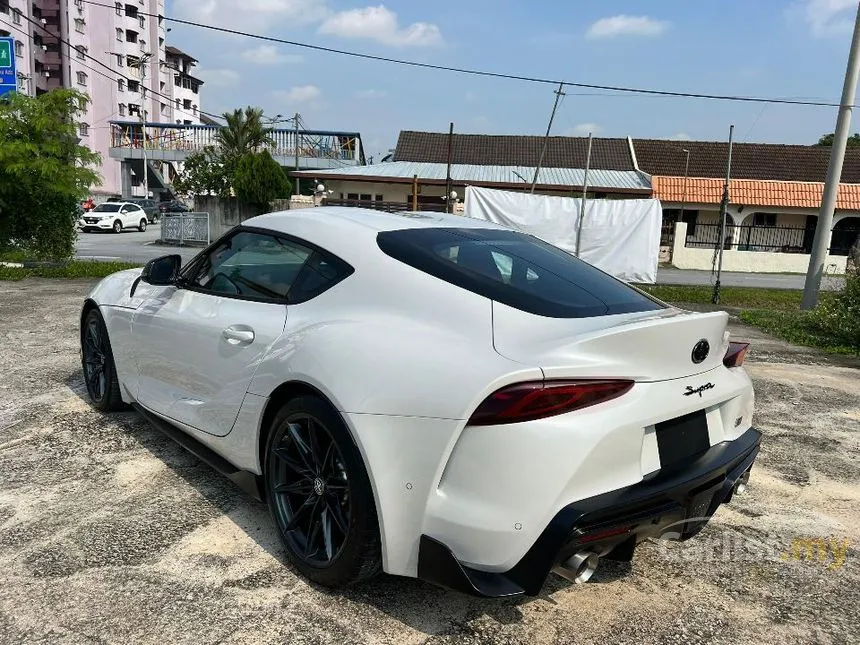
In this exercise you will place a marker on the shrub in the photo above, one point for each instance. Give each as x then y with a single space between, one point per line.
259 179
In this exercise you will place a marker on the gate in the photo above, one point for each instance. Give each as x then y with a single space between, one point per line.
186 228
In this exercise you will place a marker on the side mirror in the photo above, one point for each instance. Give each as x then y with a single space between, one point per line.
161 271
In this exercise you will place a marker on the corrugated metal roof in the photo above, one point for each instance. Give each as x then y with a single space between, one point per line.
474 174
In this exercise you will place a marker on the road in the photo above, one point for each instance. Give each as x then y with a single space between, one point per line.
133 246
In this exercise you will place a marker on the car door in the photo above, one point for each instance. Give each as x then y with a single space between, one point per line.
198 345
131 215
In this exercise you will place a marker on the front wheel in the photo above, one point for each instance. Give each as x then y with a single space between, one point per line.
117 227
99 367
142 226
320 496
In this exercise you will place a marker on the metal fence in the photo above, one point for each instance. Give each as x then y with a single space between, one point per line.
667 234
186 228
775 239
343 146
388 207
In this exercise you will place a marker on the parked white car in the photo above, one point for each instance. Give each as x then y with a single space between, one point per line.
430 395
115 216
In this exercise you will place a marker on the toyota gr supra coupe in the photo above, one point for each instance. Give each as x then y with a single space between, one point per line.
429 395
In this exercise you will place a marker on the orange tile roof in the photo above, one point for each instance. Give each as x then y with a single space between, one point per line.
751 192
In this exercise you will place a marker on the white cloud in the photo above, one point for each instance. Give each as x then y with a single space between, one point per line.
371 94
269 55
259 15
299 94
583 129
219 77
380 24
626 26
680 136
826 17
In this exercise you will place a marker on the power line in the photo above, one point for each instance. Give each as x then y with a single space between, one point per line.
117 74
484 73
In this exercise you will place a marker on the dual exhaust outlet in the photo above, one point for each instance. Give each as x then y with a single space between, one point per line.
579 567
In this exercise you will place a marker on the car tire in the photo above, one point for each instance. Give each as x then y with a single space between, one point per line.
319 495
117 227
142 226
154 219
97 362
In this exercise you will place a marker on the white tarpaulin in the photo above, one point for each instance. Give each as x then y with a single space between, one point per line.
619 236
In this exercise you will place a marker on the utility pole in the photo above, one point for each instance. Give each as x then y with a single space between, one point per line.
686 175
821 242
296 118
724 208
558 94
141 67
448 175
584 193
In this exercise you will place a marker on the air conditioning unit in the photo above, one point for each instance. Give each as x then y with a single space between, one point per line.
44 48
47 74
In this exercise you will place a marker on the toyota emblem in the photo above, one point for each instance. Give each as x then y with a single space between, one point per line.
701 351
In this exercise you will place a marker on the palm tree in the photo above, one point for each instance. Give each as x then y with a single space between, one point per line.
243 133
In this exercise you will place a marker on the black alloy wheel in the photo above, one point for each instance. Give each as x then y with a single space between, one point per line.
320 496
117 227
98 364
311 490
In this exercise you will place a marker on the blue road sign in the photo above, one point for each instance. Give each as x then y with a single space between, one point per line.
8 75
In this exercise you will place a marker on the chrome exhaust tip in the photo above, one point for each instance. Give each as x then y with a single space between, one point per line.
579 567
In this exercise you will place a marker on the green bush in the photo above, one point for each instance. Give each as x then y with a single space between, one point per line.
839 317
259 180
44 173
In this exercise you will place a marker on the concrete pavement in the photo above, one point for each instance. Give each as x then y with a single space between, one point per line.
133 246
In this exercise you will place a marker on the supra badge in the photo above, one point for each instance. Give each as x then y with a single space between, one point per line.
698 390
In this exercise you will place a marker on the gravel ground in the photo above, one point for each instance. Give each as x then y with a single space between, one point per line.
109 533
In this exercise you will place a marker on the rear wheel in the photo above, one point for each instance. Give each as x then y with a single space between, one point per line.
117 227
319 495
142 225
99 367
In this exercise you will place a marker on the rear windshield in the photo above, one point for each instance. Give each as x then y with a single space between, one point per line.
515 269
107 208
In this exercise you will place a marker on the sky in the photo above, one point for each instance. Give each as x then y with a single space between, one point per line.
771 48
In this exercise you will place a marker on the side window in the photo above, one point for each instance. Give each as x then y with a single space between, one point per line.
251 264
320 272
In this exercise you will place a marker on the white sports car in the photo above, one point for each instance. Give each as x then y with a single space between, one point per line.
429 395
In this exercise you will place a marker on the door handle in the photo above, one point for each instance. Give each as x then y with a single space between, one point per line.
238 336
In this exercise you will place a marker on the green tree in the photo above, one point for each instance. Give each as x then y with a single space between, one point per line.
243 133
44 172
827 140
203 173
259 179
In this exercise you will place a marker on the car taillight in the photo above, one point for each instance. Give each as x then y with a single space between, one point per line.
539 399
736 354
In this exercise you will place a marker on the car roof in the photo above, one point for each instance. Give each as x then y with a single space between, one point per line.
348 220
350 233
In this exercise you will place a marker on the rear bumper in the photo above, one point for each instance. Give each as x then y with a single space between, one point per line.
671 503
